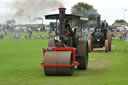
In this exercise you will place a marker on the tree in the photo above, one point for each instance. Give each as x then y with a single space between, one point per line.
121 21
85 10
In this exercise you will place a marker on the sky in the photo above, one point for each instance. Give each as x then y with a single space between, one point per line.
109 9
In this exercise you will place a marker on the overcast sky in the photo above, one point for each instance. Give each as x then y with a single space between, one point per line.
109 9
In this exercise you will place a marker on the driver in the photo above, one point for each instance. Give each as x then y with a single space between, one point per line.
68 28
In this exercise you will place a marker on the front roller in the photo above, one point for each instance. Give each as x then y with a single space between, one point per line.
51 43
58 58
59 61
82 53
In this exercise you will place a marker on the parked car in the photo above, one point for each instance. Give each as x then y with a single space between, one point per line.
120 29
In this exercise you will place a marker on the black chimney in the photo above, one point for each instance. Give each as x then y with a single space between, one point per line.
98 20
62 19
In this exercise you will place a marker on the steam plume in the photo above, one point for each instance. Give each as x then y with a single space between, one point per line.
31 8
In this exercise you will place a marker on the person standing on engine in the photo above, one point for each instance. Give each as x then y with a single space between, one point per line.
105 25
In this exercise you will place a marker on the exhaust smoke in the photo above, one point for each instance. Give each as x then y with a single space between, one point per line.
28 9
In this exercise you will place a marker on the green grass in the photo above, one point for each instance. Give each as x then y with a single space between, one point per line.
20 65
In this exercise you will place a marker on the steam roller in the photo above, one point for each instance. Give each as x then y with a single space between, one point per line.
65 50
101 37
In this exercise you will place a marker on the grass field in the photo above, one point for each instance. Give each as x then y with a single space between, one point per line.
20 65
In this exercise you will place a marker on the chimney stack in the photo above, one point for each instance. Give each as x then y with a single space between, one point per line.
62 20
98 19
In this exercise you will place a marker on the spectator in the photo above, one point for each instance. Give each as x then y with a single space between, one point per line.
86 34
1 34
30 34
6 32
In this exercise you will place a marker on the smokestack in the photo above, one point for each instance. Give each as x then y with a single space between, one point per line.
62 19
98 19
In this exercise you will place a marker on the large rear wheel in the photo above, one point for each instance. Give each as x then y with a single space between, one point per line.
90 43
106 46
82 53
109 38
89 36
51 43
89 46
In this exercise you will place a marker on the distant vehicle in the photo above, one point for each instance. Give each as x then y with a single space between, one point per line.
38 29
24 29
91 29
120 29
126 28
114 29
101 37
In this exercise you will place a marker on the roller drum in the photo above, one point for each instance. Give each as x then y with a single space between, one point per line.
58 58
